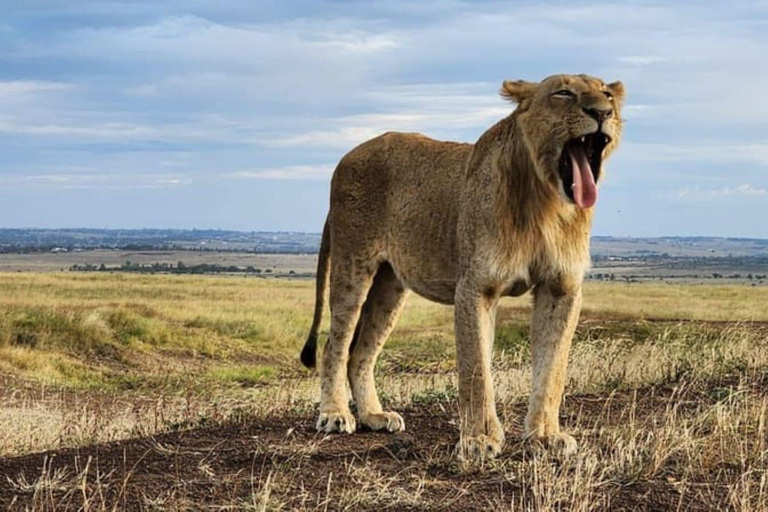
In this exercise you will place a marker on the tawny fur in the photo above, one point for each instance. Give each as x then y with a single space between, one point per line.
461 224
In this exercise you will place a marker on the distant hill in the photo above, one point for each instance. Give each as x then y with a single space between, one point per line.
60 240
679 247
37 240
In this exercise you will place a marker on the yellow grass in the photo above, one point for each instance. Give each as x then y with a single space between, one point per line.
123 331
689 302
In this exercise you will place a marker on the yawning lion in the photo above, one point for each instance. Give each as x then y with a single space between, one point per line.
466 224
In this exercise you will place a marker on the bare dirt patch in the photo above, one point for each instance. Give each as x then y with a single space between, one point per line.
280 462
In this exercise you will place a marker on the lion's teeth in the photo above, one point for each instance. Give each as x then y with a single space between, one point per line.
582 139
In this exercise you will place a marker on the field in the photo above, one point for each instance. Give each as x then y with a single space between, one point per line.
122 391
54 262
721 261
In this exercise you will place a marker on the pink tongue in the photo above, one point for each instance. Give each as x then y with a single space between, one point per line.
584 189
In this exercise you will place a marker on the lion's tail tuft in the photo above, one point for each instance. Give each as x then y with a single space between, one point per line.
309 352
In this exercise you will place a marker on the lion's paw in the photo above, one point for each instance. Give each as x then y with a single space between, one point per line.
342 422
478 448
391 421
561 445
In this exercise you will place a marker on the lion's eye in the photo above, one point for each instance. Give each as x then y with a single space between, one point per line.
564 93
608 95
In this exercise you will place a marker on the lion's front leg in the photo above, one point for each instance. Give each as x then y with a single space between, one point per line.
555 316
481 432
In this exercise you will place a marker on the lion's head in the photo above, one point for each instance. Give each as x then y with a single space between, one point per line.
570 124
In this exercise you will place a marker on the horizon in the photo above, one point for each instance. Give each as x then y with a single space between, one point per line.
224 114
319 233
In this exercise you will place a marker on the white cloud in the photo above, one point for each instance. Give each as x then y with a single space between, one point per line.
246 89
293 172
15 87
705 151
361 43
745 190
340 138
102 181
643 60
91 127
120 131
193 43
438 110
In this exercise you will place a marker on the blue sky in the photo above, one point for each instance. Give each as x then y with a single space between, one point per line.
231 114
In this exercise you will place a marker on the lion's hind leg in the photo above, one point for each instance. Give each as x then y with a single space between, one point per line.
380 311
351 279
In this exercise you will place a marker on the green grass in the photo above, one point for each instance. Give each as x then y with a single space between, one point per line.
243 375
512 342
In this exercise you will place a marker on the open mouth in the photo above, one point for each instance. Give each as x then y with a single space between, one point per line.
580 167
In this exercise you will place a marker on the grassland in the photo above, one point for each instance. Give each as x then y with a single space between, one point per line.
184 392
62 261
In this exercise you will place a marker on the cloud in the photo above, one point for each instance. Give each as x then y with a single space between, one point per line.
191 43
94 181
276 90
186 78
82 128
704 151
16 87
360 43
643 60
439 110
743 191
293 172
340 138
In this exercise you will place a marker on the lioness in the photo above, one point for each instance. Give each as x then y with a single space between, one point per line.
466 224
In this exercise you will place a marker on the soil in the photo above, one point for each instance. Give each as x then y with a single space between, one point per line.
281 462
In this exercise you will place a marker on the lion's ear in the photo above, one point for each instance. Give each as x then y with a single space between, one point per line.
617 89
517 90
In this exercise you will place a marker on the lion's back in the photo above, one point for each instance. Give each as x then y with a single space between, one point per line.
404 159
399 194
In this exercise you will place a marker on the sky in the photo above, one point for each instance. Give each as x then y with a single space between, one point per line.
232 115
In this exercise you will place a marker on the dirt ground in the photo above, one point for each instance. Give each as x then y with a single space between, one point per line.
282 463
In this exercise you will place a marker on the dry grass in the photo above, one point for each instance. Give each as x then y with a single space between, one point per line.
728 303
126 331
669 407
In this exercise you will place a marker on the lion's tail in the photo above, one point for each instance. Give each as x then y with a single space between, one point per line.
309 352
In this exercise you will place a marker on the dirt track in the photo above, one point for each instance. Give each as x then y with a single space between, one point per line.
282 463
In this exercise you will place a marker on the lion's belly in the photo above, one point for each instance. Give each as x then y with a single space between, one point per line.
421 247
430 283
432 286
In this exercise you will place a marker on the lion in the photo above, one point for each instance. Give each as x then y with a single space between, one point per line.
466 224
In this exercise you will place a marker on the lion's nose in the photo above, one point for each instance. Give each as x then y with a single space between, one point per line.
598 114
